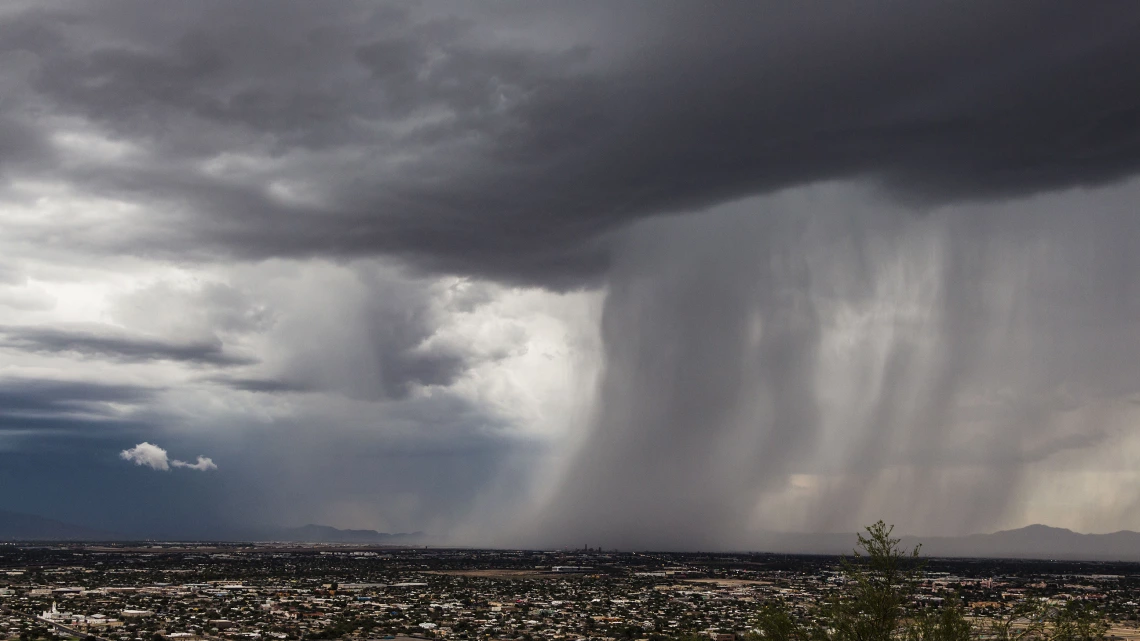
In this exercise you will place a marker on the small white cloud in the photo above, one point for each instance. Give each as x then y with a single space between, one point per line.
146 454
156 458
204 463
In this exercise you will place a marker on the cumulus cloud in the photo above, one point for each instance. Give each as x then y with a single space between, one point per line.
156 458
147 454
204 463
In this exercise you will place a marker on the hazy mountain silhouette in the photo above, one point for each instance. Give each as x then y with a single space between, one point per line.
1030 542
327 534
1041 542
15 526
305 534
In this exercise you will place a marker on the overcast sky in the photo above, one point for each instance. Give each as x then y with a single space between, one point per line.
641 274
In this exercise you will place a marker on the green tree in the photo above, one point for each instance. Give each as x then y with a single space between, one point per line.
945 623
1023 622
1077 623
881 581
878 604
777 623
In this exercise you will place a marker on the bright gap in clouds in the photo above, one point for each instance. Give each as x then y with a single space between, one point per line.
343 366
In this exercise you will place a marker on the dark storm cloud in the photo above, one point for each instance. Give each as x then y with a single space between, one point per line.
379 337
417 133
39 404
34 395
532 143
262 385
397 334
116 346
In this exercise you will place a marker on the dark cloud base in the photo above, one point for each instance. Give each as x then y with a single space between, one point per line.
517 161
116 346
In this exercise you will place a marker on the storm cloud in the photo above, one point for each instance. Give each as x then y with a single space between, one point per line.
680 271
43 396
815 359
115 345
419 133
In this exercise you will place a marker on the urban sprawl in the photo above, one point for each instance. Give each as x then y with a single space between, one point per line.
192 592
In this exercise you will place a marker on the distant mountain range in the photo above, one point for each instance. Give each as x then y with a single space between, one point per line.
326 534
1039 542
1030 542
27 527
15 526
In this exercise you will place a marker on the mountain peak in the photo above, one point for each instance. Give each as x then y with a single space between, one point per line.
1038 528
313 533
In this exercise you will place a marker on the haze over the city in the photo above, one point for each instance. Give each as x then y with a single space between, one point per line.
667 275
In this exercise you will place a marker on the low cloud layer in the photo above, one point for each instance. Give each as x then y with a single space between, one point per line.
110 343
152 456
